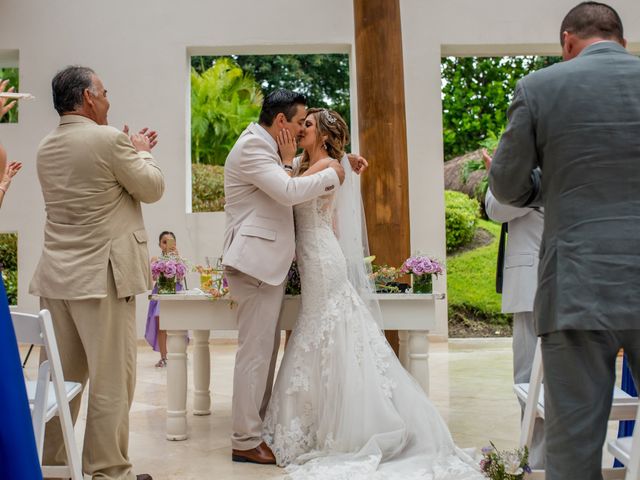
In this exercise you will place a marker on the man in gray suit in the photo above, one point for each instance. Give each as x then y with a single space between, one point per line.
578 122
520 281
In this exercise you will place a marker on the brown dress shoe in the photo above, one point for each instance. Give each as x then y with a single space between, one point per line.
144 476
261 454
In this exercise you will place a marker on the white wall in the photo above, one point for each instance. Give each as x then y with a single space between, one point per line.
140 49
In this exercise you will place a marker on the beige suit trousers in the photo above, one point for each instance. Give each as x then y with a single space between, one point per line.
97 342
259 307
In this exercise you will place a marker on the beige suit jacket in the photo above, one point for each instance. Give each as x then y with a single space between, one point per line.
93 181
259 234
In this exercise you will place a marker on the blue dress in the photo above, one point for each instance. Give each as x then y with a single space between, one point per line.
18 454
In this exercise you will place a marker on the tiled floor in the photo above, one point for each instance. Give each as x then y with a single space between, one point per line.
470 384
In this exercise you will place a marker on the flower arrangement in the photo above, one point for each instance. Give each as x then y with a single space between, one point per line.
293 281
421 265
421 269
166 271
213 281
504 465
384 278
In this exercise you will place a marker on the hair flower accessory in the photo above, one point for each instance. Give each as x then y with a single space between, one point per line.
328 116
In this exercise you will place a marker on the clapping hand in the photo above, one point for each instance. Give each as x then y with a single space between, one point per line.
10 171
144 140
287 146
4 106
486 158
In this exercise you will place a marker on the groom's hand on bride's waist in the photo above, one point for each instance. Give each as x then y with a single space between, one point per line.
339 170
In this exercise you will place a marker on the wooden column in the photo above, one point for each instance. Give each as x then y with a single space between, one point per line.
382 127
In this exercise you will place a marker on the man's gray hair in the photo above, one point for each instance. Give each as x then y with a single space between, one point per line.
69 85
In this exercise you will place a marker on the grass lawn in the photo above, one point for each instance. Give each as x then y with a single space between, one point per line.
471 279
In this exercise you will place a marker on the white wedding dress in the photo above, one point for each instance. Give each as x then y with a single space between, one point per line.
343 407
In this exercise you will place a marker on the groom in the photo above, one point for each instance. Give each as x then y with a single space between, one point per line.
258 249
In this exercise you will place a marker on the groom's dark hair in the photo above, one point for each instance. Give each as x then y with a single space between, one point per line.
280 101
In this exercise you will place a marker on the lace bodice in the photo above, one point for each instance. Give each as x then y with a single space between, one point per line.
320 260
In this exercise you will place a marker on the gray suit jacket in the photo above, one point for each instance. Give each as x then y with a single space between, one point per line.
579 122
521 256
93 181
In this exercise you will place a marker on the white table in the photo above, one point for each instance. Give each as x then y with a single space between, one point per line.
412 314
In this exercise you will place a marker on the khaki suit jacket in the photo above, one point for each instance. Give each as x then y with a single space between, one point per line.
259 233
93 181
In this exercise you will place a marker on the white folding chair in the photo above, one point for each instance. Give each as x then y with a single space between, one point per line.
50 394
623 407
627 451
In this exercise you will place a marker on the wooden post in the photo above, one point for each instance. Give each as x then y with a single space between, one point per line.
382 127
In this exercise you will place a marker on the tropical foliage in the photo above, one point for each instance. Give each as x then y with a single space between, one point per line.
207 188
13 76
322 78
224 100
476 93
9 261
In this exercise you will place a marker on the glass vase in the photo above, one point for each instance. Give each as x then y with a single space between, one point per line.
166 285
205 281
421 283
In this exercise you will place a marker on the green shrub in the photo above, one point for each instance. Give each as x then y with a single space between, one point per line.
461 218
9 261
10 279
207 188
224 100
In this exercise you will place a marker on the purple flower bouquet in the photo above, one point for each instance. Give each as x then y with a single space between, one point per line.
166 270
421 268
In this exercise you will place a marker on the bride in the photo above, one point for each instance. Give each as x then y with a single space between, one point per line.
343 406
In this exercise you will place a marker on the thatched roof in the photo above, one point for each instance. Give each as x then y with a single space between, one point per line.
453 174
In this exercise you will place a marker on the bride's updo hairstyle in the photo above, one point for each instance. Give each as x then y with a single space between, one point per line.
329 123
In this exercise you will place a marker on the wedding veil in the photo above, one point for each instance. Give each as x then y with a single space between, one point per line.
351 230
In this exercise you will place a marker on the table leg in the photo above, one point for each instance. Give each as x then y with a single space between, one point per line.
177 385
403 354
201 373
418 357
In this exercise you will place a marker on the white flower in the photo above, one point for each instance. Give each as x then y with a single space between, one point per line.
512 464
